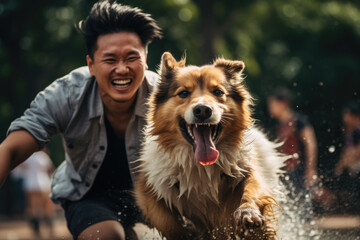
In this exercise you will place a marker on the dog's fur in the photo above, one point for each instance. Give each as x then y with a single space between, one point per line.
190 193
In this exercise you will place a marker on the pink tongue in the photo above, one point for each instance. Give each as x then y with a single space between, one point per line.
205 151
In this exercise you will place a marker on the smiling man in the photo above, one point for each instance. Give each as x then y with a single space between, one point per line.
99 112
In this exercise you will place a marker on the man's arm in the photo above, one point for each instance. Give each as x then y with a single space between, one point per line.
307 135
15 149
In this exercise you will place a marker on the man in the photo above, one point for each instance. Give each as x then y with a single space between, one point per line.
99 111
350 156
299 141
347 170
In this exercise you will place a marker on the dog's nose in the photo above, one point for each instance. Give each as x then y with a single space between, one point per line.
202 112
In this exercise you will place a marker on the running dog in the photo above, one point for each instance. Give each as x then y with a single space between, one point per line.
205 172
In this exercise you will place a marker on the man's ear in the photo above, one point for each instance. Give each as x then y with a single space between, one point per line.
232 69
90 64
146 66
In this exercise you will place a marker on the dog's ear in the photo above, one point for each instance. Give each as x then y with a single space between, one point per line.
232 69
169 63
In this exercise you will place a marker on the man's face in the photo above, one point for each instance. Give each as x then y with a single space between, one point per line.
118 65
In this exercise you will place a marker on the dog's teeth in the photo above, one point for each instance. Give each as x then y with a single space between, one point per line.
196 125
189 131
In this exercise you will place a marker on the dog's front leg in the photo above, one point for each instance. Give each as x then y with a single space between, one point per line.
158 214
254 205
168 223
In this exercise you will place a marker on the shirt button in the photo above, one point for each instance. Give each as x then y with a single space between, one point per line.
102 148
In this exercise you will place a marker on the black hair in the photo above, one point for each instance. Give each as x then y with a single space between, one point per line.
282 94
353 107
110 17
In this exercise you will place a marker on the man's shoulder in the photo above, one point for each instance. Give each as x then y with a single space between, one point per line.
152 78
78 76
74 84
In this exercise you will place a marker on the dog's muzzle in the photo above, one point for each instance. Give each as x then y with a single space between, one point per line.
202 134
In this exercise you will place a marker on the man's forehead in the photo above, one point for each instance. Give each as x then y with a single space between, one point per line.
122 42
114 53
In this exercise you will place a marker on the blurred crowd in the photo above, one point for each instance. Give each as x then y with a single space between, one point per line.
31 183
339 194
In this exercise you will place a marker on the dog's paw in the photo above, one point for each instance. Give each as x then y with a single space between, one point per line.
248 218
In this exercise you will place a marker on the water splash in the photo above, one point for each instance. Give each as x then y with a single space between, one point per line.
296 221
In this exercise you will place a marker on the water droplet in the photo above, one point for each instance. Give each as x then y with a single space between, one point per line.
331 149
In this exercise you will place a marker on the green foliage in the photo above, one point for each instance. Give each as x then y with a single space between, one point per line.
310 46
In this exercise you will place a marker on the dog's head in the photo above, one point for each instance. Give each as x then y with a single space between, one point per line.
206 107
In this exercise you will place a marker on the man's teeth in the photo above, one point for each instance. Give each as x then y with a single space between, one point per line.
122 82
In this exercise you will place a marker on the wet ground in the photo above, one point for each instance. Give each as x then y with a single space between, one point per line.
334 227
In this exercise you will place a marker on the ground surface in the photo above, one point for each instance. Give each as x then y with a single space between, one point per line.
335 227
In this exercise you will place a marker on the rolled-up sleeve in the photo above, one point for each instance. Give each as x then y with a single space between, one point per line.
48 113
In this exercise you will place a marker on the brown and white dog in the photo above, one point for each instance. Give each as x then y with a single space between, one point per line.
203 162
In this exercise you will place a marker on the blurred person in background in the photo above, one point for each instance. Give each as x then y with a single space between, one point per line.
35 172
299 142
347 170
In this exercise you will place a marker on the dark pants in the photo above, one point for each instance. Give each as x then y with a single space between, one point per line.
115 205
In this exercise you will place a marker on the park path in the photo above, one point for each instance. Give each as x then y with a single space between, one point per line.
20 230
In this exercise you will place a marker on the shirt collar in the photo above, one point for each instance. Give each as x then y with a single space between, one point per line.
142 95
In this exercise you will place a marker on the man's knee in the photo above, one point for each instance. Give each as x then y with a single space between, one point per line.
103 230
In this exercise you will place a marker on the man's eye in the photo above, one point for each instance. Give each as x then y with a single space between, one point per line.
218 93
131 59
184 94
109 60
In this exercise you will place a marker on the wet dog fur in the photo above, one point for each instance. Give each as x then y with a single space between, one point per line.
205 171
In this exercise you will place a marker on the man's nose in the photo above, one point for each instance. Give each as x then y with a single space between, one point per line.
122 68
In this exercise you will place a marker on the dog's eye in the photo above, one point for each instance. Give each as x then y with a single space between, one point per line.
184 94
218 93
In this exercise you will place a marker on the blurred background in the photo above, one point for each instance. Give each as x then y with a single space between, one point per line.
311 47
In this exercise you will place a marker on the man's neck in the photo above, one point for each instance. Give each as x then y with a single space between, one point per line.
119 114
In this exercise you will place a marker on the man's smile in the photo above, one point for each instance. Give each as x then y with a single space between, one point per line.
121 83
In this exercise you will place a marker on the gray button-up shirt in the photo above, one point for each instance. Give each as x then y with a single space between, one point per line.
72 106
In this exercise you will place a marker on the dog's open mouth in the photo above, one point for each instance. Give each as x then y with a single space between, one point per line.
203 137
